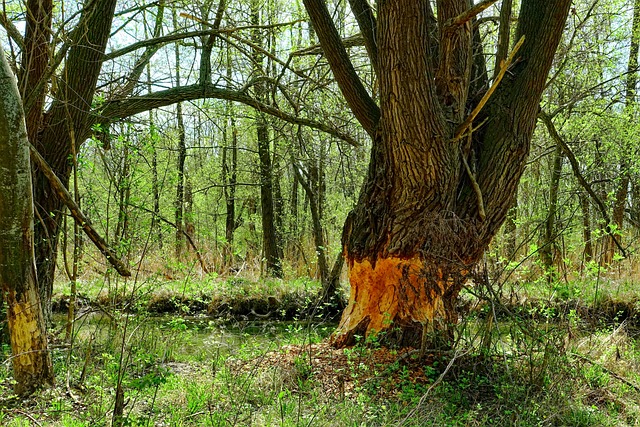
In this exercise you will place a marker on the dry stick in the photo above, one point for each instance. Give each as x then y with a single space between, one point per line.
412 413
77 214
31 418
476 189
504 66
576 171
607 370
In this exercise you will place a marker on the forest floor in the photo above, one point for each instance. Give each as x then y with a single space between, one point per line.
237 353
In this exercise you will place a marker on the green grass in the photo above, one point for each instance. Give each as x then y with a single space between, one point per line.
183 370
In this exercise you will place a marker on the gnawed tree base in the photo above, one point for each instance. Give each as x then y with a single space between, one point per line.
400 301
31 360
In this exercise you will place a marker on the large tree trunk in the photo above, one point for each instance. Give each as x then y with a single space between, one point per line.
18 281
66 122
437 189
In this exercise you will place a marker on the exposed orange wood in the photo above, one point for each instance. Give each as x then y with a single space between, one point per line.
393 292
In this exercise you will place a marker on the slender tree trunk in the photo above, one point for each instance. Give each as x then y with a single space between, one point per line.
511 229
622 191
586 226
18 279
253 242
229 171
155 188
271 252
123 187
179 201
229 178
548 248
269 235
293 225
311 189
278 201
189 223
182 156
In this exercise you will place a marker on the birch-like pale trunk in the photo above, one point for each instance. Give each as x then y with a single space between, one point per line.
18 281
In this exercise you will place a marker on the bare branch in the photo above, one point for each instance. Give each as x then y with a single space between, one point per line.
156 41
363 106
80 218
11 29
122 108
504 33
316 49
367 24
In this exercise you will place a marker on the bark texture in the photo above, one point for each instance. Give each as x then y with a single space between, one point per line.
432 202
66 122
18 283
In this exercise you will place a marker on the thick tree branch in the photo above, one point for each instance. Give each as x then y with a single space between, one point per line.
512 110
553 132
122 108
316 49
453 72
11 30
468 14
155 41
207 45
504 33
363 106
80 218
367 24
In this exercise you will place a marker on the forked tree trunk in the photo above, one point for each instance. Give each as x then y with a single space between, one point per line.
18 283
432 201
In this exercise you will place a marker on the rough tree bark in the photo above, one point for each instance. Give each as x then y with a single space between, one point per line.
432 202
68 112
18 280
